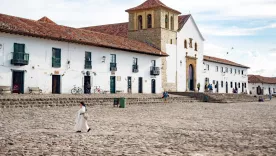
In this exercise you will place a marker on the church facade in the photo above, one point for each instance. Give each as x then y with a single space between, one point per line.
166 29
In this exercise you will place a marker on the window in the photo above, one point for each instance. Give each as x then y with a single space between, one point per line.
221 69
244 85
231 71
239 85
195 46
242 72
166 22
149 21
216 68
191 43
221 84
172 23
113 64
235 71
253 87
239 72
153 63
226 70
171 41
208 67
135 61
214 81
19 48
231 84
185 44
56 57
113 58
88 61
140 22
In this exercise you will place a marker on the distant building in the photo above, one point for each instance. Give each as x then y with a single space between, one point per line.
225 75
260 85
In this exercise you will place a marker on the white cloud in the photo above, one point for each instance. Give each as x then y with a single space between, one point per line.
234 30
258 62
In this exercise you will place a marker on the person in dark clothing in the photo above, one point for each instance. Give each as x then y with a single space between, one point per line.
87 87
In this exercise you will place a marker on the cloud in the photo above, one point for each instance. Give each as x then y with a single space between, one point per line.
234 30
258 62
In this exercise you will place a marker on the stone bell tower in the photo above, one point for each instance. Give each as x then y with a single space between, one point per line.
155 24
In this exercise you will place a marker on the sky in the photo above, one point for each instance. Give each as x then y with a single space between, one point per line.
245 29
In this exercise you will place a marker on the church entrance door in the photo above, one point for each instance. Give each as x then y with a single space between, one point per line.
191 78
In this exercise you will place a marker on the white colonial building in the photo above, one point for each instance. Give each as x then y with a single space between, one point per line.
260 85
157 49
225 75
55 58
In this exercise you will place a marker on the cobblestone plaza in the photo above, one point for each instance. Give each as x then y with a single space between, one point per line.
157 129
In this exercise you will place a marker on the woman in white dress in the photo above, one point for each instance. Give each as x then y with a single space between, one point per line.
81 120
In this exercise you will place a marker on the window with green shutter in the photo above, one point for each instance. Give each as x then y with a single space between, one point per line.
88 60
19 56
56 57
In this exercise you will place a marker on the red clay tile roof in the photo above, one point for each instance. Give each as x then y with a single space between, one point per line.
22 26
222 61
182 20
119 29
261 79
46 20
149 4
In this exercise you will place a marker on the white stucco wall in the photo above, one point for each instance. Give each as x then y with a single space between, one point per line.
171 63
40 51
265 87
212 74
189 30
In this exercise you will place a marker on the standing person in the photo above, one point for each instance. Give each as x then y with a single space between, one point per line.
211 88
81 120
87 88
270 96
165 96
198 87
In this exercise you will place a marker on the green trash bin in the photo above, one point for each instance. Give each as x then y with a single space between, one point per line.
206 98
122 102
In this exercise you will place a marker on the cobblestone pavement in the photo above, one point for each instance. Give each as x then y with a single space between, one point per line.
161 129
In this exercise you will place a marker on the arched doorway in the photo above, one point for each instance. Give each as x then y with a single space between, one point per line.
191 78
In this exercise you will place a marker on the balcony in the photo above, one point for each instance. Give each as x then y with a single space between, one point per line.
113 66
154 71
135 68
88 64
20 59
56 62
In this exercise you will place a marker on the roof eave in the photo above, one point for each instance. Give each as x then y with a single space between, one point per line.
226 64
79 42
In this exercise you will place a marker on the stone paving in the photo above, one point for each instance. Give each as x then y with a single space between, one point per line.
158 129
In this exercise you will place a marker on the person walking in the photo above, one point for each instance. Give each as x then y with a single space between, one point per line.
81 120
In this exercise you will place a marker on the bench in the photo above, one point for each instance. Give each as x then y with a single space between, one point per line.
5 90
119 91
106 91
35 90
